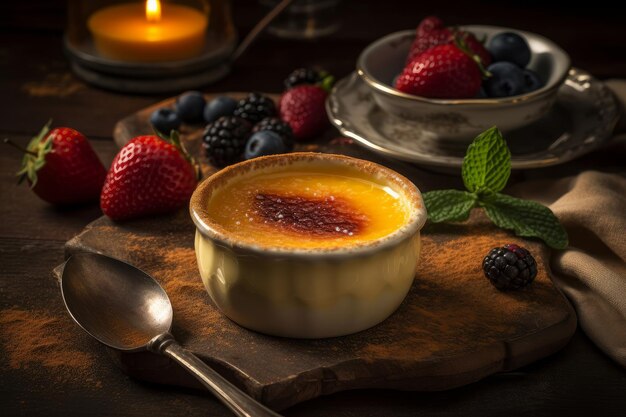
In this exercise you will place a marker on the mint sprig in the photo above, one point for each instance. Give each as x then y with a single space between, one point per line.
527 218
486 169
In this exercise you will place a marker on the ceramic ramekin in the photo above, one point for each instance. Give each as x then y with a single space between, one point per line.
462 119
307 293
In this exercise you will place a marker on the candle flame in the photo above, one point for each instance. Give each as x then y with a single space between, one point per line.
153 10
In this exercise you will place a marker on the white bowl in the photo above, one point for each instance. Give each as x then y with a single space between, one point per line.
462 119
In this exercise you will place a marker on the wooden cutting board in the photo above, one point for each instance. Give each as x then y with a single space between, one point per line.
453 328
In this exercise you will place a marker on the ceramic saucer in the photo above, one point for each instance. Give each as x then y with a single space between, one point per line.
582 119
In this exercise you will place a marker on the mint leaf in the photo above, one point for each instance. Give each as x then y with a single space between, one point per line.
526 218
448 205
487 163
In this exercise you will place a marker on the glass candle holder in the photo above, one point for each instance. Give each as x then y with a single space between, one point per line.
136 45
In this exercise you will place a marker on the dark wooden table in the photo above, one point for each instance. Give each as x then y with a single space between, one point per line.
35 84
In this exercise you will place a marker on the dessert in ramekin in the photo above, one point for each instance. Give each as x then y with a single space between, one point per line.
307 245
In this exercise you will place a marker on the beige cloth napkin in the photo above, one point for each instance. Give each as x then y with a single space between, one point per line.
592 271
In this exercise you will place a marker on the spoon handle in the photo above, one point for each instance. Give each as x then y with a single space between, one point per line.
240 403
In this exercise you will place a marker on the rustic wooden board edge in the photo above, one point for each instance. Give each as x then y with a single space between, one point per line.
492 359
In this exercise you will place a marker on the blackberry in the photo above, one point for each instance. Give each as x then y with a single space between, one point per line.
303 76
510 267
255 107
224 140
276 125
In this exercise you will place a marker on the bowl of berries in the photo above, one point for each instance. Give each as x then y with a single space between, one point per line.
457 82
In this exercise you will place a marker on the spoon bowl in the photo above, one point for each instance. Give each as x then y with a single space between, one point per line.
126 309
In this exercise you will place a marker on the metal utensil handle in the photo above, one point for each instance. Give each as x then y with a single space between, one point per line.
239 402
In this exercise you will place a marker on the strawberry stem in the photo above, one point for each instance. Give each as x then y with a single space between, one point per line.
18 147
174 139
460 43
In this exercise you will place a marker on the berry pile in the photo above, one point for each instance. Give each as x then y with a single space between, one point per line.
245 130
446 62
253 126
510 267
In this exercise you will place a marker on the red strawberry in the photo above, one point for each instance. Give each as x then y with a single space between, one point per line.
443 71
432 32
429 24
303 107
62 167
148 176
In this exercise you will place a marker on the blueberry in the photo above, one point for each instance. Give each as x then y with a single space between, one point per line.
532 80
190 106
264 142
218 107
510 47
507 80
165 120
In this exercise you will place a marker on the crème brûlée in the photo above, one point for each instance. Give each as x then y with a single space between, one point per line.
308 208
307 245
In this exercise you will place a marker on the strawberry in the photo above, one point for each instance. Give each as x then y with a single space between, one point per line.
62 167
428 25
303 107
432 32
148 176
443 71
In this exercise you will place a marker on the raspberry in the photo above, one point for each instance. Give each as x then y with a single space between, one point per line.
224 140
276 125
510 267
255 107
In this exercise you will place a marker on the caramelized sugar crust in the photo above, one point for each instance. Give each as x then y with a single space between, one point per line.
327 216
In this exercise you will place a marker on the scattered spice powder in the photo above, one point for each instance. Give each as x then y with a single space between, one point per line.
453 307
34 337
451 310
54 85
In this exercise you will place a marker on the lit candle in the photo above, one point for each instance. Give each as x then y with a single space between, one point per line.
150 33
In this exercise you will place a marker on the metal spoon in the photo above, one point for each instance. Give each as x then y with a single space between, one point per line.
126 309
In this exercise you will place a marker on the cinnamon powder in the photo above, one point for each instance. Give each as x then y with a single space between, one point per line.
454 307
180 278
451 308
175 268
37 338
